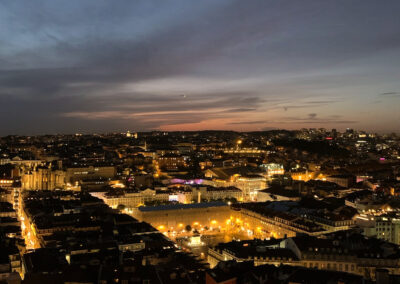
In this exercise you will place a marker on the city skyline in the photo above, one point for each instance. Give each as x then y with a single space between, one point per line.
91 66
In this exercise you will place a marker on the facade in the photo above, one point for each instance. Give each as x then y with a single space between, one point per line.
272 169
302 175
184 195
331 224
218 193
131 199
73 175
42 178
249 180
177 217
47 178
277 195
132 243
385 228
249 185
140 198
17 161
171 162
279 224
4 182
334 253
342 180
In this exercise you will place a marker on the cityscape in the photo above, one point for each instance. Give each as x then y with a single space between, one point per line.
201 207
199 142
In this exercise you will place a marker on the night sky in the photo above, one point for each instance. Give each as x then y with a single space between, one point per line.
100 66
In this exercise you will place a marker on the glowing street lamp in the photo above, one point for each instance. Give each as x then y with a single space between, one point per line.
238 143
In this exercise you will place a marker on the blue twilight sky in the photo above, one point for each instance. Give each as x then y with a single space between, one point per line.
98 66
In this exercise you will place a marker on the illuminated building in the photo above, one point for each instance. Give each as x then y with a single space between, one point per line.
280 224
244 178
195 241
273 169
132 243
167 151
6 182
268 252
333 222
302 175
206 164
171 162
42 178
81 173
138 198
352 253
128 199
272 194
385 228
49 178
216 193
250 185
342 180
185 148
247 152
197 215
184 194
366 201
22 162
10 261
129 134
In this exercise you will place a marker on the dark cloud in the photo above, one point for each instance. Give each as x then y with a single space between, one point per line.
312 115
127 110
390 94
310 104
313 119
240 110
248 122
76 64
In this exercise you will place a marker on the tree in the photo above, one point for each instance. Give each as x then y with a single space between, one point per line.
121 207
232 200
